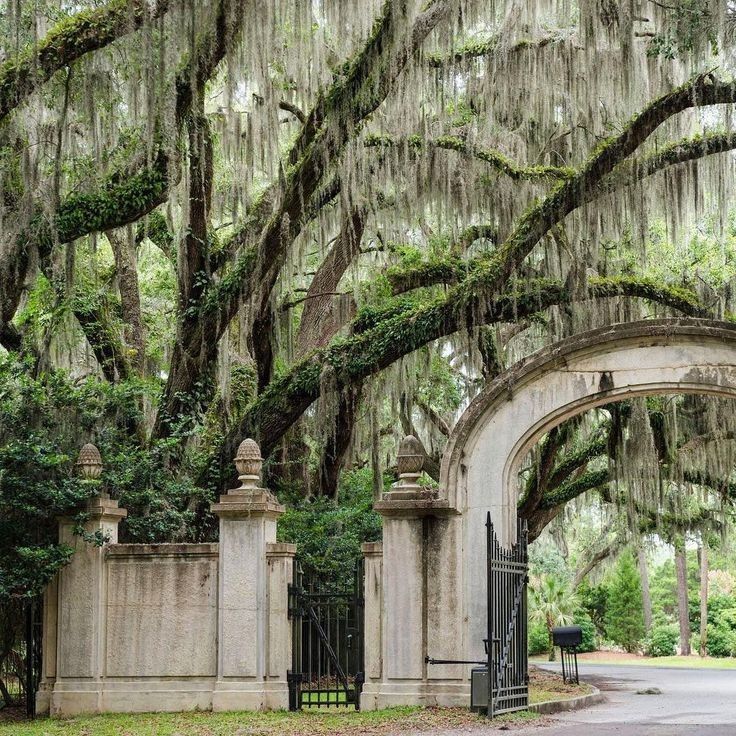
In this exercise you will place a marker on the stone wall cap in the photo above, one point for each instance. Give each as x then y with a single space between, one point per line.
280 549
371 548
163 550
241 506
100 507
415 507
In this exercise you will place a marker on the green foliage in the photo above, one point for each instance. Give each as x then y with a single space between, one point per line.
690 26
329 535
594 599
545 558
552 603
538 639
624 615
43 423
721 640
662 641
718 606
585 622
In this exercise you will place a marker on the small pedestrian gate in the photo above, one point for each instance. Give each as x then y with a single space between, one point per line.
327 641
20 668
507 622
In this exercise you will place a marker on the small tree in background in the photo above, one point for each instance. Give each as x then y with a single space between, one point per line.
552 604
625 615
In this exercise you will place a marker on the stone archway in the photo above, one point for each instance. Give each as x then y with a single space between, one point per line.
509 416
434 558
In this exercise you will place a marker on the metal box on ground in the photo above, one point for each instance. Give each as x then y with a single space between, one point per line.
479 688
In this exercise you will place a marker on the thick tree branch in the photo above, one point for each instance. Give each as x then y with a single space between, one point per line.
365 354
319 323
478 49
496 159
330 125
583 187
592 561
126 266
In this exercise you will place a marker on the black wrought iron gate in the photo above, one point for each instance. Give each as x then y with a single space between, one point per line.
327 641
20 666
508 682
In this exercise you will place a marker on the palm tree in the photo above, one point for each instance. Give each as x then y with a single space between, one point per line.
552 604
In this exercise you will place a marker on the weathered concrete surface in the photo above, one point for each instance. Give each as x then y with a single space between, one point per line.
411 606
162 610
245 659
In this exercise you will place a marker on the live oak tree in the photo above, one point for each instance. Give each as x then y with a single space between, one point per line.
290 220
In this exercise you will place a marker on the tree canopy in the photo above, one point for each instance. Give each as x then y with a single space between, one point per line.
325 224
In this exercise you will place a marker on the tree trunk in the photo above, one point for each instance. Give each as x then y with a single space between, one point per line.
337 445
376 451
126 263
320 317
646 593
550 626
682 605
703 553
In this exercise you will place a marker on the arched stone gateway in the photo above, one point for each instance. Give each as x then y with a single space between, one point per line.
426 594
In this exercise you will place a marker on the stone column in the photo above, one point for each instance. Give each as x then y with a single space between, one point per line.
248 517
372 611
81 601
411 582
280 559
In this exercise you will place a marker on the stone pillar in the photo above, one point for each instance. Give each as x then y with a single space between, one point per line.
48 647
372 611
280 559
248 517
411 583
81 602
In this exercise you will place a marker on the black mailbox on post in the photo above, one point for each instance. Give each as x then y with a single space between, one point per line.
568 639
567 636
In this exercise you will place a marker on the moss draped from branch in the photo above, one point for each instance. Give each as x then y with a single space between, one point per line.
66 42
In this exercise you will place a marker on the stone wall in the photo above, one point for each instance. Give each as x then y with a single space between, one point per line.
168 627
161 610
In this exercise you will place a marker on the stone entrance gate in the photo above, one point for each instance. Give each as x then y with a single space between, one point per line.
428 591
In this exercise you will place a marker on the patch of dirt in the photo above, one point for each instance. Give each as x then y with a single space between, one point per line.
544 681
609 657
12 714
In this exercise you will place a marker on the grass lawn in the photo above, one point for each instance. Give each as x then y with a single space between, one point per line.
334 721
622 658
337 722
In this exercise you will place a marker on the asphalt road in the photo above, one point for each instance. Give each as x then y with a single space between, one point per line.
692 703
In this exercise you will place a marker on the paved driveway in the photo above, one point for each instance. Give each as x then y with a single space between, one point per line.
692 703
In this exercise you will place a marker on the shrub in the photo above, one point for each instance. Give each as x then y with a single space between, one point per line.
538 642
695 642
721 641
594 599
717 604
662 641
329 535
585 622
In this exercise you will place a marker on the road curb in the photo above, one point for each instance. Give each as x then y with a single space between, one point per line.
549 707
